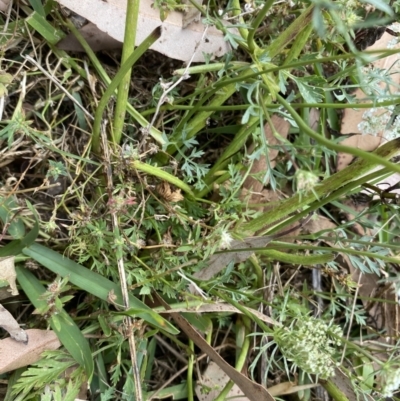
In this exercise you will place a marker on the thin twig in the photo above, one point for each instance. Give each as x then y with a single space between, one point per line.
9 10
351 317
55 81
179 372
170 87
122 276
171 349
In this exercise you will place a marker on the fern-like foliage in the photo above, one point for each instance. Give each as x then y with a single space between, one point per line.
55 377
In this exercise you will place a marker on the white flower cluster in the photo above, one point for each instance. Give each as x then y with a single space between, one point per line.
351 18
395 27
374 120
351 4
306 180
225 240
391 382
392 43
377 119
311 345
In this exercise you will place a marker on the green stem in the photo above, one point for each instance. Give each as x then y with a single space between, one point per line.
234 147
190 394
164 175
201 69
276 106
351 173
346 250
132 15
333 391
382 54
199 120
344 190
371 157
256 23
68 61
290 33
236 11
383 233
223 395
95 62
156 134
312 237
115 82
258 271
196 119
297 259
361 350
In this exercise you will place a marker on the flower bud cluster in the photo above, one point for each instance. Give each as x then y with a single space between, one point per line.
391 382
311 345
306 180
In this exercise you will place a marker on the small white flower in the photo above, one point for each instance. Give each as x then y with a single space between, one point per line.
309 345
391 382
352 19
395 27
140 243
306 180
164 84
351 4
248 8
374 120
169 99
225 241
392 43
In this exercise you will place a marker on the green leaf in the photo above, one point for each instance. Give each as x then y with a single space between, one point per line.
93 283
310 94
105 326
365 371
8 209
5 78
299 44
74 341
12 249
318 21
38 7
290 33
49 33
184 248
380 5
135 312
67 331
80 115
3 90
15 247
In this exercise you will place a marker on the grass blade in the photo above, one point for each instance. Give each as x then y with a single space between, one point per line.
49 33
67 331
93 283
